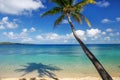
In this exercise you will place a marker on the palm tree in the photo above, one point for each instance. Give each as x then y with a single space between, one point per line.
69 10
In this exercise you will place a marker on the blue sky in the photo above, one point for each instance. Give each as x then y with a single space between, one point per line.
20 22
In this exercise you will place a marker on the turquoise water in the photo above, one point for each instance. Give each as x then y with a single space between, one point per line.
61 60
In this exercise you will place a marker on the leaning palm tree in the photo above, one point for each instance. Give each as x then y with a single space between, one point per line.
68 9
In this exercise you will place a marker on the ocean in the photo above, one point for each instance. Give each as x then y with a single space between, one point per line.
56 60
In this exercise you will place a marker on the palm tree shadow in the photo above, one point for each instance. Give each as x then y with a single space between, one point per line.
43 70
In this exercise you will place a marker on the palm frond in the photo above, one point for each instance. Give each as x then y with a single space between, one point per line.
53 11
86 20
59 20
68 2
71 2
77 17
84 3
63 3
58 2
91 1
80 4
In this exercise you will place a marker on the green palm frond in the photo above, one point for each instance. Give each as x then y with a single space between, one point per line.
65 7
71 2
53 11
86 19
58 2
77 17
63 3
84 3
80 4
88 22
59 20
67 2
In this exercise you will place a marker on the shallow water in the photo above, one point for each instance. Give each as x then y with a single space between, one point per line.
61 60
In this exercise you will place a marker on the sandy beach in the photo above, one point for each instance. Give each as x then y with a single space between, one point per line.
82 78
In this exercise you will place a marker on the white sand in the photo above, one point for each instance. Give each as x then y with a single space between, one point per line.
82 78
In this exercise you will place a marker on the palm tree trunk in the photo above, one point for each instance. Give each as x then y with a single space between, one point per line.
102 72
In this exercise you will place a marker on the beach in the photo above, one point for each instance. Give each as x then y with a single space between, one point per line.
83 78
65 62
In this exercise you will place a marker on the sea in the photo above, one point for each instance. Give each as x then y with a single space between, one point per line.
56 60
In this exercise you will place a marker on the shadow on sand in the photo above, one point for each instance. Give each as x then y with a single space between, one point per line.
43 70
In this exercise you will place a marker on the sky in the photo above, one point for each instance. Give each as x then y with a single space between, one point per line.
20 22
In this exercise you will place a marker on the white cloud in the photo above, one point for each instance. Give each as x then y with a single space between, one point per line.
5 23
39 37
118 19
24 30
27 40
103 33
81 34
32 29
2 27
65 21
23 35
93 33
17 7
49 36
68 38
13 35
65 41
111 34
52 38
106 20
109 30
103 3
107 38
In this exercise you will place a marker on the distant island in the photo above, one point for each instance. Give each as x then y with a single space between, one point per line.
9 43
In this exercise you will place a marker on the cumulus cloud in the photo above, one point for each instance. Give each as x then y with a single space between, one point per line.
103 3
109 30
111 34
13 35
24 30
27 39
39 37
23 35
106 20
93 33
6 23
68 38
32 29
65 38
2 27
17 7
51 38
103 33
81 34
107 38
118 19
